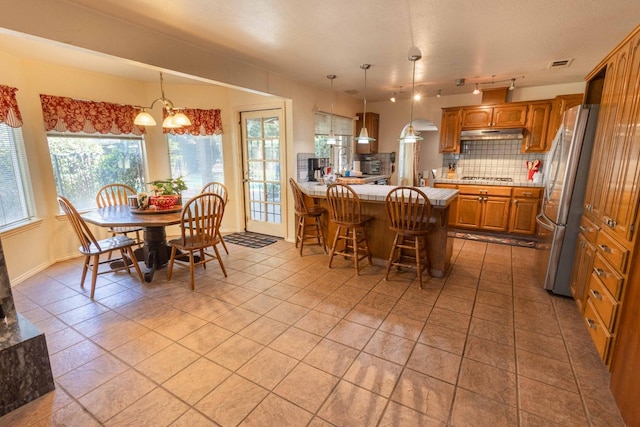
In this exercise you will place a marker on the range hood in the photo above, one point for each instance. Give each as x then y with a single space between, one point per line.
482 134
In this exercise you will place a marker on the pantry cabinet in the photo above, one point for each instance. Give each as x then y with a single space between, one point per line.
372 123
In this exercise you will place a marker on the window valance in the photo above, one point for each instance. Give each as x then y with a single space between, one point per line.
9 111
74 115
203 122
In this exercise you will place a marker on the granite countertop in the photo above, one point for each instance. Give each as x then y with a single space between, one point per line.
378 193
513 183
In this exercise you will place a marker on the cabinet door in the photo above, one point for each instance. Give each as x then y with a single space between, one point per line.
512 116
602 158
523 215
495 213
621 203
450 131
559 105
371 122
582 265
477 117
535 138
469 211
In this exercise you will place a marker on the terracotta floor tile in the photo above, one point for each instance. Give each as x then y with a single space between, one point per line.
317 323
295 342
491 353
331 357
453 303
470 409
87 377
230 402
557 405
398 415
425 394
366 315
72 357
547 370
434 362
166 363
180 327
412 309
374 374
142 347
295 386
493 314
405 327
351 334
120 392
390 347
205 338
264 330
63 339
261 303
196 380
335 306
499 332
237 319
350 405
443 338
449 319
115 337
267 368
275 411
193 418
156 408
287 313
493 383
234 352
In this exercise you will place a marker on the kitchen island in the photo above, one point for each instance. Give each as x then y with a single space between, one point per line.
380 237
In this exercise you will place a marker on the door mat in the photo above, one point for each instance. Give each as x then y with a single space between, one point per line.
494 239
250 240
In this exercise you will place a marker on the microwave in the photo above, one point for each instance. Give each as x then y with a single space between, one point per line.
371 167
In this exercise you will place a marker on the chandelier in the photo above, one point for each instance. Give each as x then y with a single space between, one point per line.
175 117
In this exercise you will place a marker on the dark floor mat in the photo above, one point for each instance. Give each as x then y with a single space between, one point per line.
250 240
495 239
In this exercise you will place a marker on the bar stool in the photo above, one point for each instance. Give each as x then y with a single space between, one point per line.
344 208
409 212
305 230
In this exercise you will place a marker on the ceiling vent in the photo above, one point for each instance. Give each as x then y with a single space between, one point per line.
561 63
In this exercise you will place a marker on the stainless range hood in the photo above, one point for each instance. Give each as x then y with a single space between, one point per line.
482 134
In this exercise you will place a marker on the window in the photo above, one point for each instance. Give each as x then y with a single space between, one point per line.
82 164
197 159
16 198
340 155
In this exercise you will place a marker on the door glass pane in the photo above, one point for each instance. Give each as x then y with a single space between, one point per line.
254 149
272 171
272 149
273 192
257 213
271 127
256 172
254 128
273 213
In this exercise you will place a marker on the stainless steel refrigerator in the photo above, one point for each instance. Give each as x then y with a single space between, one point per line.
565 178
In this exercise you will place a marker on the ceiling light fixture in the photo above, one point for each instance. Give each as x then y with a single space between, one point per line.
476 90
175 117
513 84
393 97
439 94
331 139
363 138
410 136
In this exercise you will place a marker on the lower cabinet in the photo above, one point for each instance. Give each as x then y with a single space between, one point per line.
525 207
582 267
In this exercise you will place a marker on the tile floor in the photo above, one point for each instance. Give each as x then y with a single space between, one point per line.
285 341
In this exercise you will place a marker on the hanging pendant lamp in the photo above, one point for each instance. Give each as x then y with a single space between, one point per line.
331 139
363 138
175 117
410 136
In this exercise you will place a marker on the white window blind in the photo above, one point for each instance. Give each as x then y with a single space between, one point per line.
16 198
341 125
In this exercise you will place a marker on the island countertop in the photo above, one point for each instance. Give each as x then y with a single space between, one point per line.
377 193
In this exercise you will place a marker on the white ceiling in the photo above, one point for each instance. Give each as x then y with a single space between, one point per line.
308 39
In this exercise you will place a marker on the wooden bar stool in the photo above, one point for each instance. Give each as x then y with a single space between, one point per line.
344 208
304 229
409 212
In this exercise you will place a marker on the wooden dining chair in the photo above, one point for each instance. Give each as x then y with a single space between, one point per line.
114 195
199 224
350 239
304 229
92 248
409 211
221 190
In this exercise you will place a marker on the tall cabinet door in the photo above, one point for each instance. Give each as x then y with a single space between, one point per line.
602 157
621 204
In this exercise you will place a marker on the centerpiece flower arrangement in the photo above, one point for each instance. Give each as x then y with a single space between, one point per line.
166 193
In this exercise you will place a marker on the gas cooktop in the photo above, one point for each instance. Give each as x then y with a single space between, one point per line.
486 178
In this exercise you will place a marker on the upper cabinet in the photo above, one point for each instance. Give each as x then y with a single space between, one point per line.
372 122
450 130
559 105
535 136
499 116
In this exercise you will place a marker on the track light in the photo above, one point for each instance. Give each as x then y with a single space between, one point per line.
393 97
364 138
513 84
410 136
331 139
439 94
476 90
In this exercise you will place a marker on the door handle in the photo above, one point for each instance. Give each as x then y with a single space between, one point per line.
600 272
596 294
540 219
591 323
605 248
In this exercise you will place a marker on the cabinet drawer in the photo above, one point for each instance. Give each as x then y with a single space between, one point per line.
608 276
599 334
612 251
440 185
602 301
589 229
527 192
488 190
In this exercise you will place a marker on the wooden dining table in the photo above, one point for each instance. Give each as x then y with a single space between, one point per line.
155 252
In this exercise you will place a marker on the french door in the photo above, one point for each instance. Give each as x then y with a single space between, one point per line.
262 155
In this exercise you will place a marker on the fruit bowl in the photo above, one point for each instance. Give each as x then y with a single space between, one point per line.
164 202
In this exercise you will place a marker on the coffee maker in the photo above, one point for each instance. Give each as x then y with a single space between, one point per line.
316 168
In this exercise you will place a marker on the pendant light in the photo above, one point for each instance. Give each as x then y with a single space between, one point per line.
410 136
331 139
363 138
175 117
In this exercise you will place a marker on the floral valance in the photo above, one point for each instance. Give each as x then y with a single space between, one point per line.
74 115
9 111
203 122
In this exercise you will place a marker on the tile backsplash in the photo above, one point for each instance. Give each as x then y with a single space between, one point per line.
492 158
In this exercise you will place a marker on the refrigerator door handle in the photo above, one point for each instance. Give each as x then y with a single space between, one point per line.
543 221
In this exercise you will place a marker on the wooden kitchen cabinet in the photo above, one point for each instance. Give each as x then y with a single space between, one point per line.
500 117
372 123
559 105
582 267
535 133
450 130
525 206
483 207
